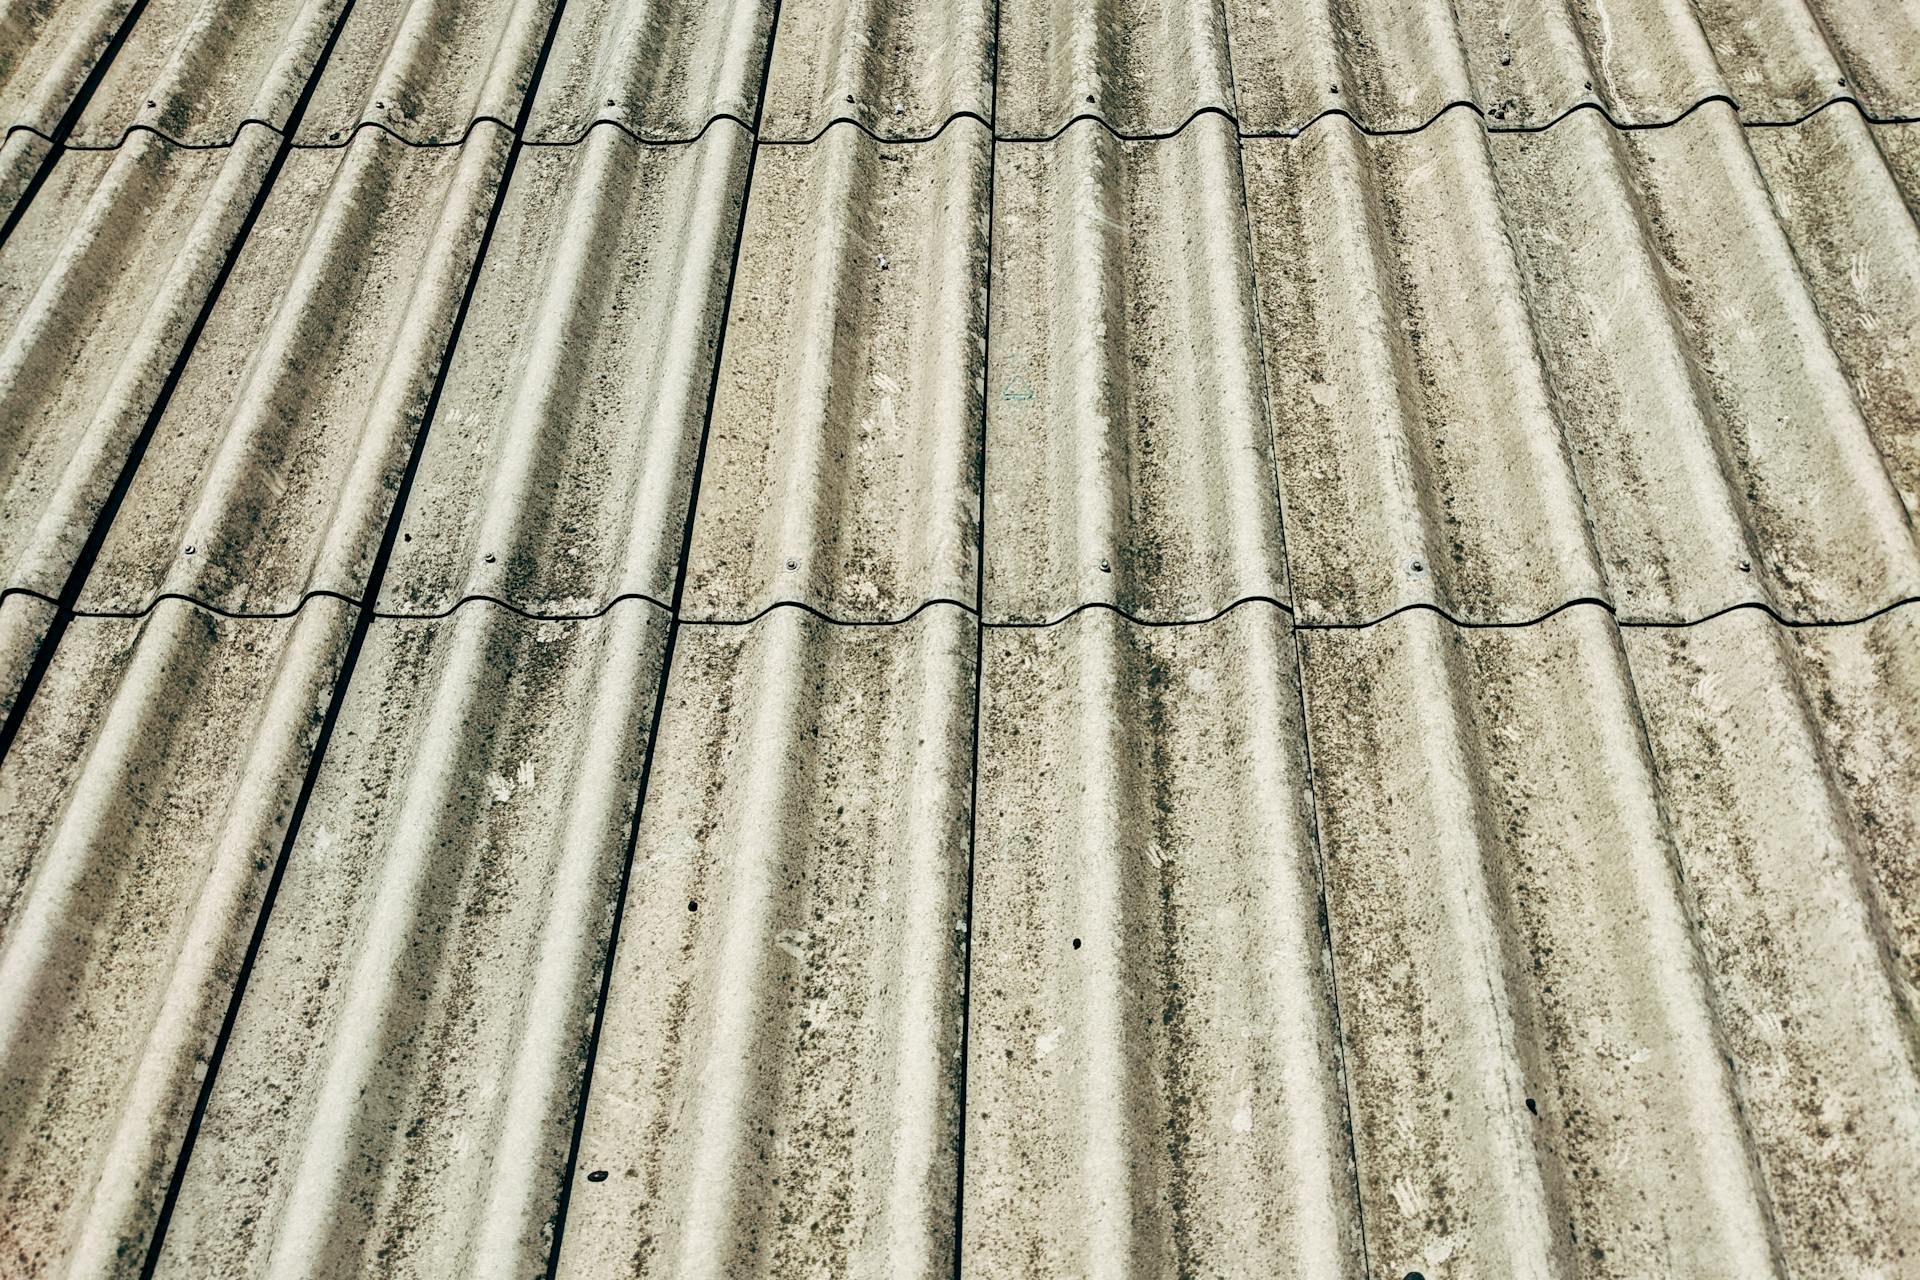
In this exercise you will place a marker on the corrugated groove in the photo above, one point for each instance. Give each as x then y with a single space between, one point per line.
961 1105
898 68
842 467
1127 404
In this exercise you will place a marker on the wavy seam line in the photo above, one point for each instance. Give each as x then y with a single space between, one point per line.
382 615
992 624
1492 124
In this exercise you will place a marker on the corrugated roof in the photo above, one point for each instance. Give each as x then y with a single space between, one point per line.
884 639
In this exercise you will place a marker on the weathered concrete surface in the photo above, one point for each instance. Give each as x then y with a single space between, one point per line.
1658 369
1395 64
272 472
901 68
100 284
1154 1080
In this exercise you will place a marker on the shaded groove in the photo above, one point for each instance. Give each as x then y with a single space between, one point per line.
363 618
666 666
979 680
1332 113
64 128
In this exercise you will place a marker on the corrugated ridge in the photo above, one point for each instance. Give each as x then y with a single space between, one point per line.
1128 406
845 412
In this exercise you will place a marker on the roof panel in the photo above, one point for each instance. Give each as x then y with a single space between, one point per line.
399 1090
842 465
1143 66
49 51
1534 1062
1394 65
901 68
272 472
196 70
427 69
777 1081
100 283
141 810
1154 1076
1129 457
1788 762
1650 1003
662 70
560 465
1517 370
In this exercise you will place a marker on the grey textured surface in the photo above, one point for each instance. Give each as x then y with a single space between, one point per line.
988 638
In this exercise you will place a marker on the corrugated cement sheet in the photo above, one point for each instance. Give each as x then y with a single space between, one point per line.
1145 639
